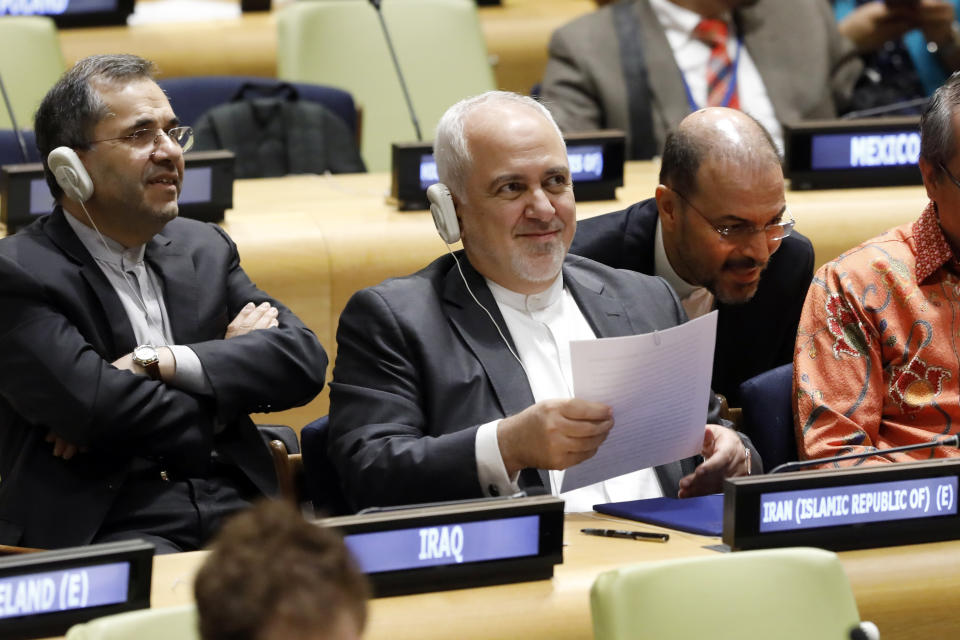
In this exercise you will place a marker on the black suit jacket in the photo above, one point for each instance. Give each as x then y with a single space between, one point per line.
752 337
62 325
420 367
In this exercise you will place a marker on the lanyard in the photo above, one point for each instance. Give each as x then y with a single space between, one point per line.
731 68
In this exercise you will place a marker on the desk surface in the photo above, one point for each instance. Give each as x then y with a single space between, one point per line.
905 590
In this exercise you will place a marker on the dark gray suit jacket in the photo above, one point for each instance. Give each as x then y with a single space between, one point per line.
62 325
752 337
807 67
420 367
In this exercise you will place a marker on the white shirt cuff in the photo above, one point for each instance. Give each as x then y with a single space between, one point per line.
494 480
188 374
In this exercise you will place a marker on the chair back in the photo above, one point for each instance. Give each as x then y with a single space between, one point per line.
192 97
30 63
10 152
145 624
322 484
788 594
767 415
439 46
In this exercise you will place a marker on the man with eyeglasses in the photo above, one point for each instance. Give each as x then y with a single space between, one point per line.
132 344
719 231
877 363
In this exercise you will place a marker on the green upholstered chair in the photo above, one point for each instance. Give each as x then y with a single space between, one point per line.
339 42
169 623
30 63
787 594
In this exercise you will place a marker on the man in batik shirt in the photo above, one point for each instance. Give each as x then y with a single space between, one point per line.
877 361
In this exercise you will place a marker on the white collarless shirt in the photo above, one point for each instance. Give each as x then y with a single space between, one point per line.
692 55
542 326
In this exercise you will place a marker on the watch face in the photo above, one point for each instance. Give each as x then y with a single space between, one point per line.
145 354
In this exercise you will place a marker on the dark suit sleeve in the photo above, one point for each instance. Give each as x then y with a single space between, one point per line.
262 371
55 379
802 277
382 441
603 239
568 90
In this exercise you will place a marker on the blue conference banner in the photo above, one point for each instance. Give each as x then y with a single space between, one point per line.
854 504
53 591
449 544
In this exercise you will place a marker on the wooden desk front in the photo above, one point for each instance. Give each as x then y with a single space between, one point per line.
906 590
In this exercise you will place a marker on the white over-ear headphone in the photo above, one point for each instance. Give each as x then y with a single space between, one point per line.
70 173
444 213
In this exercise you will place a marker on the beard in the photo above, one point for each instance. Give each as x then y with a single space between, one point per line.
541 264
730 291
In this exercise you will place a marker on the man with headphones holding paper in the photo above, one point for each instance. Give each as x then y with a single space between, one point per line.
455 382
132 344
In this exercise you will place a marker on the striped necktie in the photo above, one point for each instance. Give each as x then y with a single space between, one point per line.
720 71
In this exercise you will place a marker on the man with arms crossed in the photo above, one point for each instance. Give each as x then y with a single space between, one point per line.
132 344
445 392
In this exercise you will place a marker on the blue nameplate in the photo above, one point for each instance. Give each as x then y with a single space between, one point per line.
859 507
458 544
44 594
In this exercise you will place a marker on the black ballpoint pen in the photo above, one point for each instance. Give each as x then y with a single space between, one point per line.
630 535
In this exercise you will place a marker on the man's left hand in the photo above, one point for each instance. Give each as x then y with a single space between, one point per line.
724 456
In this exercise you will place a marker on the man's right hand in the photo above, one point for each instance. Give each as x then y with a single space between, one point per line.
553 434
251 318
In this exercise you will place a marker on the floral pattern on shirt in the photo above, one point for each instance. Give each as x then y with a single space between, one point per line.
888 311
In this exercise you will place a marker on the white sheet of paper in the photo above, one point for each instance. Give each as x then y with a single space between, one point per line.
658 385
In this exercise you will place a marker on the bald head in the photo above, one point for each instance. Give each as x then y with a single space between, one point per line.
725 139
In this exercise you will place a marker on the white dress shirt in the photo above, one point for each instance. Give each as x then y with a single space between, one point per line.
542 327
141 293
692 55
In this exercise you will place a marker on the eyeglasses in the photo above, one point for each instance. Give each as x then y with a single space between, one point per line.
775 231
148 138
949 175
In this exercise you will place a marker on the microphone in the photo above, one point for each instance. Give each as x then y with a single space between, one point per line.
949 441
13 122
865 631
885 109
396 65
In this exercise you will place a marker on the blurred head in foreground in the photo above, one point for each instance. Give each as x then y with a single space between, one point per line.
272 575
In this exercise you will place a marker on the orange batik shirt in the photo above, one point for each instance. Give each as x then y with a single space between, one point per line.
878 349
